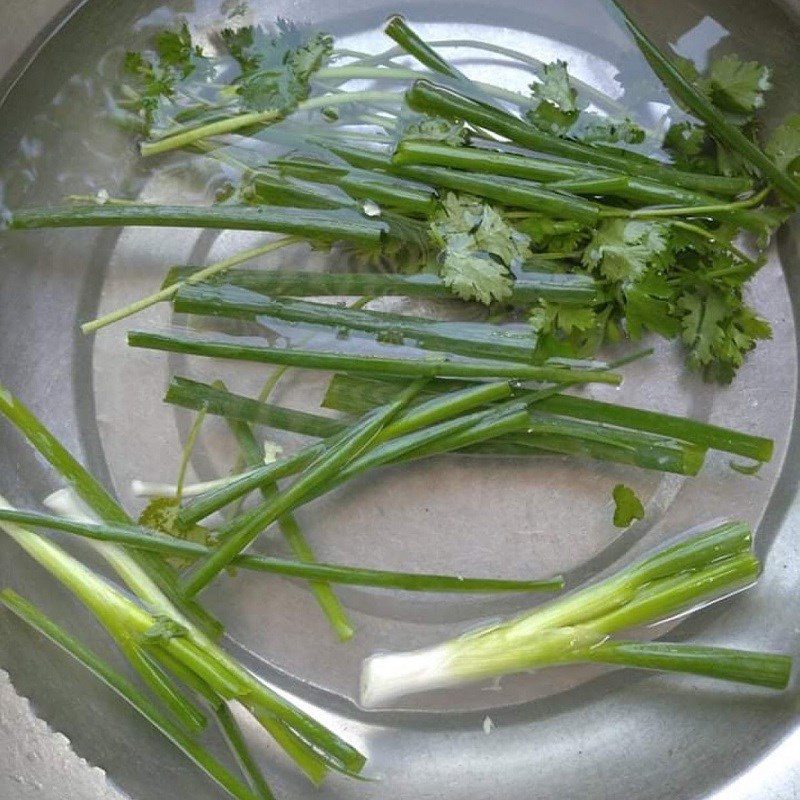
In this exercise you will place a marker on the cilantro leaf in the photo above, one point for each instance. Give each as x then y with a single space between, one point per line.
737 86
275 66
435 129
623 249
555 87
611 131
175 49
719 331
627 506
557 110
549 317
160 514
163 629
475 275
784 145
478 248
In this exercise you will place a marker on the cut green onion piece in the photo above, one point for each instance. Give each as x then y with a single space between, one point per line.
526 289
128 692
312 359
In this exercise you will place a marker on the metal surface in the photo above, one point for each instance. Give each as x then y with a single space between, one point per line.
557 735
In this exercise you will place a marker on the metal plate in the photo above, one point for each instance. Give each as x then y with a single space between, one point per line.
558 734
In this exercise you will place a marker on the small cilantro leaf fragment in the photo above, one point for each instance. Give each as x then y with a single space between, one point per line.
160 514
784 146
627 506
557 110
163 629
746 469
435 129
612 131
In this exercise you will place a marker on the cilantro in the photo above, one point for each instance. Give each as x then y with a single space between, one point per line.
784 146
175 49
435 129
691 147
718 330
627 506
557 110
611 131
163 629
550 235
276 66
475 275
478 248
623 249
736 86
160 514
549 316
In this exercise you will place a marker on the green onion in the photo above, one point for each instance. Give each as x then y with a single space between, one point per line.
144 539
312 359
338 456
431 98
526 289
474 339
322 224
357 394
327 600
692 572
128 692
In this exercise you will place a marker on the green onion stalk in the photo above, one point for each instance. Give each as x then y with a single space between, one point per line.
580 626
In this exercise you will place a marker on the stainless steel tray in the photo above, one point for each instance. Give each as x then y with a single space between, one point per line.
557 735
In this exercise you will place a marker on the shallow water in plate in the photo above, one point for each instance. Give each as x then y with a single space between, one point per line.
491 517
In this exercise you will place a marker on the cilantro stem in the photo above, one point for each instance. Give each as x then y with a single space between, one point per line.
144 539
191 439
699 211
166 292
527 289
438 100
314 359
330 463
183 136
220 127
476 340
685 92
128 692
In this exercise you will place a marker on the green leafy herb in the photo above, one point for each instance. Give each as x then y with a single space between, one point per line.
478 248
165 628
735 85
784 146
627 506
613 131
557 110
434 129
